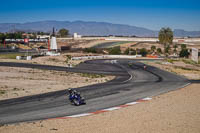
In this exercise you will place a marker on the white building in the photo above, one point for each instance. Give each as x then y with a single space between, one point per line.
77 36
43 36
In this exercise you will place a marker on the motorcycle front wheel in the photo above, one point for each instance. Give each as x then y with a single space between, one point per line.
76 102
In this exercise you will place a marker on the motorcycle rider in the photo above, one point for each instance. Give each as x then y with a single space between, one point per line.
74 94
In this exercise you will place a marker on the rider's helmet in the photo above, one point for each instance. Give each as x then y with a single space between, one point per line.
70 90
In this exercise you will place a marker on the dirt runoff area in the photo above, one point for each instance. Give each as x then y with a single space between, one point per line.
19 82
181 67
62 60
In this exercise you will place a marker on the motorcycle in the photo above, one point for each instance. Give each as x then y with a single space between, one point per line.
76 99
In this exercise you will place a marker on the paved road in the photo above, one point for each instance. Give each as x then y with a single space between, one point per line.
131 83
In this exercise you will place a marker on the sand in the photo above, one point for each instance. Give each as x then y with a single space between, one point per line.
178 67
19 82
177 112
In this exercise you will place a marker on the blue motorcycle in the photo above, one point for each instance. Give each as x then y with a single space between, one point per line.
75 98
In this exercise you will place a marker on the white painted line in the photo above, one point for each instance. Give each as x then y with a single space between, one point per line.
111 109
79 115
147 99
132 103
129 74
128 79
185 85
104 110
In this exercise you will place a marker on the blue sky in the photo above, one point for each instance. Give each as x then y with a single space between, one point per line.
152 14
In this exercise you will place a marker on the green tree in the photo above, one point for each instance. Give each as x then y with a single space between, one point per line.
153 48
126 52
63 32
143 52
175 47
2 37
18 35
167 49
184 51
159 50
183 46
166 36
133 52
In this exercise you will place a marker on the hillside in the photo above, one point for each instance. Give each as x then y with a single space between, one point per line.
89 28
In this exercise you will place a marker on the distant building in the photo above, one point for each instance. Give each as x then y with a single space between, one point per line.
43 36
26 35
77 36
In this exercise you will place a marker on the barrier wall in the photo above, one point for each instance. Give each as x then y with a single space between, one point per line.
106 56
136 39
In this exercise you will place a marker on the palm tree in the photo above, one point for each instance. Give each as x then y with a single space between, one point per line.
166 36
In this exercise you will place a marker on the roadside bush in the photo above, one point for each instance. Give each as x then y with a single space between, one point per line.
90 50
115 51
68 57
133 52
189 62
170 61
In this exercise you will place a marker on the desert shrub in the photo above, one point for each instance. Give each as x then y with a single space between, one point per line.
170 61
187 61
115 51
90 50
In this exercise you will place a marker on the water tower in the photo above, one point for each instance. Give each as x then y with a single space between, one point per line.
53 44
53 48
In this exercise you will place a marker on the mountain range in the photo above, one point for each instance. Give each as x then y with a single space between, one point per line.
90 28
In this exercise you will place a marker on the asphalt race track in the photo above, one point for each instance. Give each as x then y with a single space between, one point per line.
132 82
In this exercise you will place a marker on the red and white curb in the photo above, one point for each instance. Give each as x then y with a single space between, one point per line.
105 110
